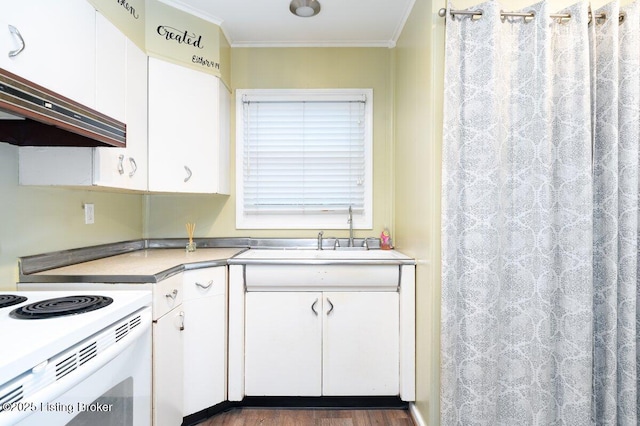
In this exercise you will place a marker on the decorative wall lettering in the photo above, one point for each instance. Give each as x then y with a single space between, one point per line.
128 8
181 37
205 62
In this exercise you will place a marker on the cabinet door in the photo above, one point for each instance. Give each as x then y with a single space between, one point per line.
204 338
124 168
59 45
167 369
223 156
283 344
361 343
136 118
183 129
111 68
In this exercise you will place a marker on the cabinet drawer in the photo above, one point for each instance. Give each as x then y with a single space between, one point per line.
278 277
167 294
205 282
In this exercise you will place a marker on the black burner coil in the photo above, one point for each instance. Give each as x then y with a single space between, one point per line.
61 306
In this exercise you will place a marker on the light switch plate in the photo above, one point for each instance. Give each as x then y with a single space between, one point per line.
89 214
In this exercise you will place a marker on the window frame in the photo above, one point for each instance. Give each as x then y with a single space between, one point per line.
336 220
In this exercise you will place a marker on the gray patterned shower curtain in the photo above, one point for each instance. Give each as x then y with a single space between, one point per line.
540 217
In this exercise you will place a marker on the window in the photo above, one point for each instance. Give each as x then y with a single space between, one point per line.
303 157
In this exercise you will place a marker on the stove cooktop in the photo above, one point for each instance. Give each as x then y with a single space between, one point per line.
33 342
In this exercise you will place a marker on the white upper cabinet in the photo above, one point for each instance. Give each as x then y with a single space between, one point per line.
122 94
177 118
57 39
188 130
111 69
121 76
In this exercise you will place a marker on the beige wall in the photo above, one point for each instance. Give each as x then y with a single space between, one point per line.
37 220
41 219
418 122
266 68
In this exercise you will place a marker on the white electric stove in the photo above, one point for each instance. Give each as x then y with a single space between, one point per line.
71 357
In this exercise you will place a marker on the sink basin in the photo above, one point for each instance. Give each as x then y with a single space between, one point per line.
345 254
321 270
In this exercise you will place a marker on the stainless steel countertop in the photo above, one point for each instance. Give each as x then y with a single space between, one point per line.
141 266
152 260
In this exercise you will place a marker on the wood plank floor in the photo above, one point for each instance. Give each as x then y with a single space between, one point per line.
310 417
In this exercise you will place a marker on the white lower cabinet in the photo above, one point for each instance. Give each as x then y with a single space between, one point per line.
205 338
321 343
167 368
189 344
168 343
283 338
360 344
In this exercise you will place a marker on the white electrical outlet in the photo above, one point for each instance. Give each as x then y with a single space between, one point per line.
89 212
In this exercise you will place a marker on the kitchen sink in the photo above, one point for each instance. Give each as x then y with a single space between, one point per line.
294 269
340 254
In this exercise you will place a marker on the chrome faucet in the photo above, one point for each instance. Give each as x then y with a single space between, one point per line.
350 221
320 240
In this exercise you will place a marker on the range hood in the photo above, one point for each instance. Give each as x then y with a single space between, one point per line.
31 115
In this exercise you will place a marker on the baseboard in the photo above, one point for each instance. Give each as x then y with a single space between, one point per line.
198 417
415 415
337 402
324 402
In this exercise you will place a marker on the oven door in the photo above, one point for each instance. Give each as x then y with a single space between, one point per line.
119 393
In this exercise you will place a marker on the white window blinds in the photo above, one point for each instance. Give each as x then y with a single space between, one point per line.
305 155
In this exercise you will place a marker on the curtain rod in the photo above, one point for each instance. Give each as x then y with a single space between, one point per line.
526 15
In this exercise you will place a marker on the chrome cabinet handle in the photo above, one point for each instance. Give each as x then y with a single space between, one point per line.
181 320
330 306
134 167
14 53
120 166
205 286
313 307
172 295
188 170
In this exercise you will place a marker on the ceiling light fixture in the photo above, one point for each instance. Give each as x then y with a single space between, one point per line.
304 8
